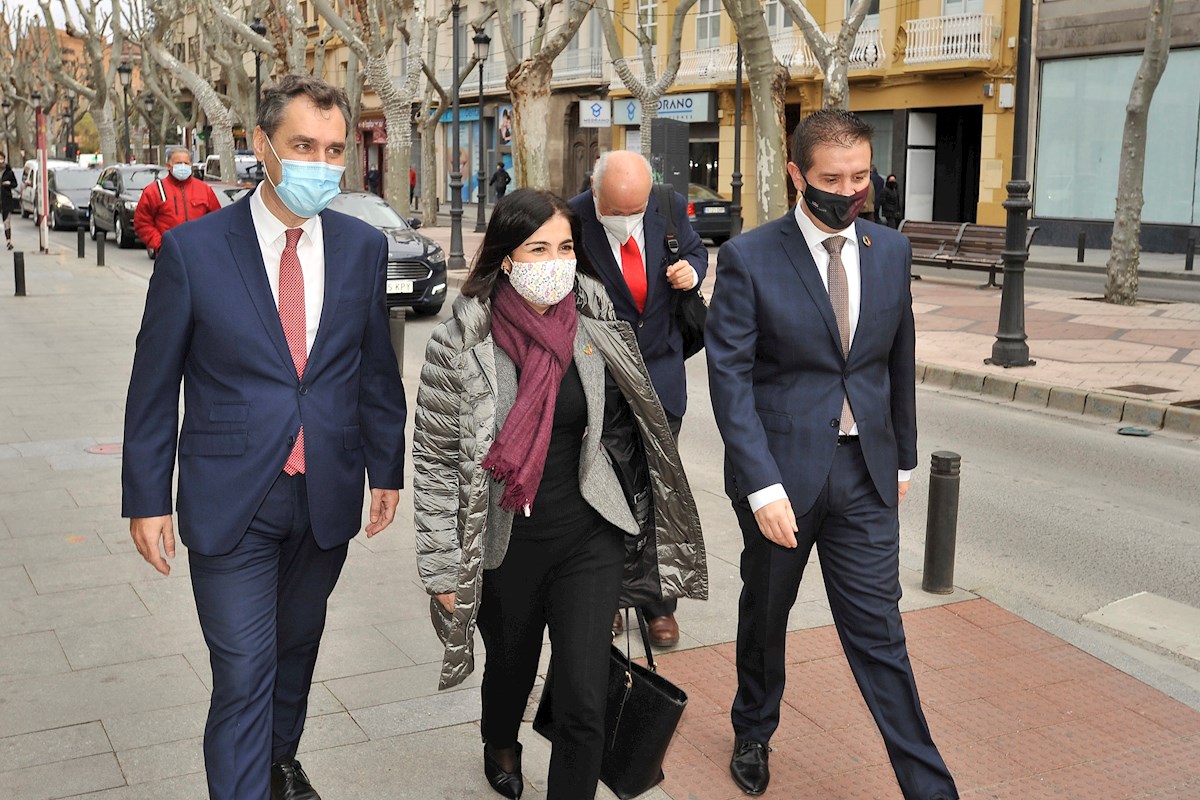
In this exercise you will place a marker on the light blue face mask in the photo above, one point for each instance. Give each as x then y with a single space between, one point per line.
181 172
306 187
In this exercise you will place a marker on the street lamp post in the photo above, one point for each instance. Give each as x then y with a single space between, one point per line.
125 73
456 260
1010 348
148 104
258 27
6 105
735 180
482 41
69 116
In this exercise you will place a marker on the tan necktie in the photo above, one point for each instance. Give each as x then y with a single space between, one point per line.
839 295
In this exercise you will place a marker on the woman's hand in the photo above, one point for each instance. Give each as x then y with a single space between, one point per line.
447 601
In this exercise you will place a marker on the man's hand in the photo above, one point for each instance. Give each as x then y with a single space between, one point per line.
447 601
903 486
383 509
777 522
147 532
681 275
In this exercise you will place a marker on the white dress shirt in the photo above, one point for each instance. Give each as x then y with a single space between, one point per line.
815 238
272 238
639 236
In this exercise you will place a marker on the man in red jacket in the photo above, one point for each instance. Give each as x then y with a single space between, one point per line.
172 201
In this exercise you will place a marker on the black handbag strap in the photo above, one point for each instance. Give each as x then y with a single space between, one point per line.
641 620
665 195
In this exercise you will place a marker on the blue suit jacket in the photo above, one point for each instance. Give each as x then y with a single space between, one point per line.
776 371
657 337
211 320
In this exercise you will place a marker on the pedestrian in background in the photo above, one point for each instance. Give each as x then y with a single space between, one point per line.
519 514
172 200
412 187
8 184
272 312
820 441
499 181
890 202
624 236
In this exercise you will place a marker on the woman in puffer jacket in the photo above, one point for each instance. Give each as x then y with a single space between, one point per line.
538 441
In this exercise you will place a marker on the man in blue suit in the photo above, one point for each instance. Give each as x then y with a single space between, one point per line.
624 237
273 315
810 344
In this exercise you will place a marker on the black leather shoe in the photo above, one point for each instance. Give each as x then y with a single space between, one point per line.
288 782
506 784
749 766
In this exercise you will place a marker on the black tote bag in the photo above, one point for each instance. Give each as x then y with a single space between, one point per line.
644 709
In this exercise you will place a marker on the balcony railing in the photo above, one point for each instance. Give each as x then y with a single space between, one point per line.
583 64
867 52
960 37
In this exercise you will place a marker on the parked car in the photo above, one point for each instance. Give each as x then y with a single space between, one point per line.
70 195
29 183
115 197
228 193
416 271
247 167
709 213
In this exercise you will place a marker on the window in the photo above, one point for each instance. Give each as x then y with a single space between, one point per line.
779 19
1079 139
193 49
872 11
954 7
647 18
708 24
518 28
303 10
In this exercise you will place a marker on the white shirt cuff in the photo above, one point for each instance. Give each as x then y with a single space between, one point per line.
905 475
695 279
766 496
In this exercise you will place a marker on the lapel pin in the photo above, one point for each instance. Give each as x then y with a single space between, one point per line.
587 349
867 241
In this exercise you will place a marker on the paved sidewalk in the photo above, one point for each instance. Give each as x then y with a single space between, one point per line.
104 677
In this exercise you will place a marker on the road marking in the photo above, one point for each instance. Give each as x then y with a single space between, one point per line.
1155 619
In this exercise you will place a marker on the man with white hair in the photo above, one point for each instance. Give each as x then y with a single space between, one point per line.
624 236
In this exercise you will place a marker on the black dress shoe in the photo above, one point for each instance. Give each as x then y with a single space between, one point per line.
506 784
749 766
288 782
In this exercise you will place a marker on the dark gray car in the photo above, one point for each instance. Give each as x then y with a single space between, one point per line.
70 196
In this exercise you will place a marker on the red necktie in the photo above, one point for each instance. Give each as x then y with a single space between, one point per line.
291 314
635 272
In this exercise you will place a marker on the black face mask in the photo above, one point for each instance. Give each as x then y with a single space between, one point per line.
837 211
891 184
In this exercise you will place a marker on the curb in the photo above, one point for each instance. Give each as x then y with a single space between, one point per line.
1100 406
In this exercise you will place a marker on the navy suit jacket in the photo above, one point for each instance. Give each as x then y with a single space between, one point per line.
211 321
776 371
657 336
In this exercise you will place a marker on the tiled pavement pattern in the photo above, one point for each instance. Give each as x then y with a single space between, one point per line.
1016 712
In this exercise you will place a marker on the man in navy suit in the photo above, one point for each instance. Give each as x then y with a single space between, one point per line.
273 315
810 345
624 237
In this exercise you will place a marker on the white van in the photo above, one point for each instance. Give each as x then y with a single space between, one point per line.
30 176
247 170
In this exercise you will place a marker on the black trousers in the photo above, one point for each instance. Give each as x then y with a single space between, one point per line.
262 610
571 583
664 607
858 540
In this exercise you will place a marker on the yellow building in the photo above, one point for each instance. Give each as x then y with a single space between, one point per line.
934 77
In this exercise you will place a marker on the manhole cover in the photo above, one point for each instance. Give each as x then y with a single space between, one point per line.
1188 403
1140 388
105 449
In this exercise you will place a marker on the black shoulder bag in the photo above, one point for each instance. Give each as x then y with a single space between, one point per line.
688 308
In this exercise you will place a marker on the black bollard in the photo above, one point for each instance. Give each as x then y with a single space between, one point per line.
1081 247
80 236
396 326
941 526
100 249
19 272
1189 260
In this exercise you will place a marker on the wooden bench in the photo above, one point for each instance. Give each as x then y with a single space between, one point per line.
960 245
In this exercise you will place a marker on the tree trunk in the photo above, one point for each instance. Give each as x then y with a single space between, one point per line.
106 130
354 93
1122 284
217 113
529 86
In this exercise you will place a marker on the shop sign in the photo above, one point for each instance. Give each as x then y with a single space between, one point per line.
595 114
691 107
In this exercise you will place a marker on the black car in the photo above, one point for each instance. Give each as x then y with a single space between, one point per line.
70 194
115 197
416 271
709 213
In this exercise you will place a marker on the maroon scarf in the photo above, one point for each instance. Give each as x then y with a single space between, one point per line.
541 345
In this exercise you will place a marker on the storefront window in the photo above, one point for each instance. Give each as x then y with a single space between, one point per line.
1081 122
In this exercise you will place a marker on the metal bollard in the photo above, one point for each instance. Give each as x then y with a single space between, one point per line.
941 526
19 272
100 249
396 326
1190 259
1082 246
80 238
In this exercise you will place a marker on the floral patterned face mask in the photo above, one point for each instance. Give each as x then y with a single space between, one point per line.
543 283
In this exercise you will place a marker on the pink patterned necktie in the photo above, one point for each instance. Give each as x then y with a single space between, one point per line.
291 314
839 296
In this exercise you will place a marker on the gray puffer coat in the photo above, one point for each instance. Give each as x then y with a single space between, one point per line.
468 386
